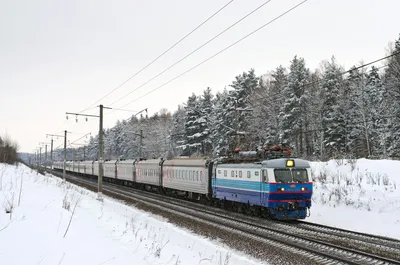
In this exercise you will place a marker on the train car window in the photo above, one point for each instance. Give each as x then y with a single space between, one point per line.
201 175
300 175
248 174
219 171
225 173
240 174
256 173
265 175
197 175
232 174
283 175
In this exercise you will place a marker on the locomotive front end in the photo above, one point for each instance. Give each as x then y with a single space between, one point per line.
290 188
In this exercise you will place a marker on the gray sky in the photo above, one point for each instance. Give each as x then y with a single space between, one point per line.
63 56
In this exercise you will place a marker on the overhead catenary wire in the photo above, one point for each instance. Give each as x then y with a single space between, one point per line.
218 53
162 54
195 50
342 73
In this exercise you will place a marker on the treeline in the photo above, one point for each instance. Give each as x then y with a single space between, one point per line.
8 150
321 114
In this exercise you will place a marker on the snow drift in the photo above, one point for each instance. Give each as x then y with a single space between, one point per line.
58 223
360 195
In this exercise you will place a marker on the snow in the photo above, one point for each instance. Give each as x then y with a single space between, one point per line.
99 233
360 195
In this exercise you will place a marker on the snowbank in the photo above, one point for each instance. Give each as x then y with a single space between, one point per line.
360 195
99 233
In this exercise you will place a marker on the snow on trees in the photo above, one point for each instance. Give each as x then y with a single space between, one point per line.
293 114
322 114
333 115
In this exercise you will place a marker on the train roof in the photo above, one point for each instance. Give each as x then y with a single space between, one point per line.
281 163
126 162
149 162
186 162
241 165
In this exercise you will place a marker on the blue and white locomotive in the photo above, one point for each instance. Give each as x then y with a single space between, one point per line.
278 186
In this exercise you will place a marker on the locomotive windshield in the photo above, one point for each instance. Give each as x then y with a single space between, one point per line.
299 175
291 175
283 175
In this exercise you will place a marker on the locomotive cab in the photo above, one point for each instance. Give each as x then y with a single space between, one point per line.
288 185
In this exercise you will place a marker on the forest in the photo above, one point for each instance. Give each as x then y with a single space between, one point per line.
322 114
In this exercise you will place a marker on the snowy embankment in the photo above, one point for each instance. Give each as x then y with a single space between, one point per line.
360 195
45 221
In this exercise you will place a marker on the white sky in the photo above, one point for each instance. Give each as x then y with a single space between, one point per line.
63 56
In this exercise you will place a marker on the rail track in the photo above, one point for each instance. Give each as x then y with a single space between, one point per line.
321 244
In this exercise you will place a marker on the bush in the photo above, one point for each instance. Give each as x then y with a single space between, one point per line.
8 151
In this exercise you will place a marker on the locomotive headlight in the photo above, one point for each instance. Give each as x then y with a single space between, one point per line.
290 163
302 189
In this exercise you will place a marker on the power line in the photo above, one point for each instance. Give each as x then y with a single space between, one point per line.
216 54
194 51
80 138
162 54
342 73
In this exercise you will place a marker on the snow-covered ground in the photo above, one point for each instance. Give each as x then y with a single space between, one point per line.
356 195
360 195
36 231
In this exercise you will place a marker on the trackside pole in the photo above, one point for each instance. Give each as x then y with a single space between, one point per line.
101 157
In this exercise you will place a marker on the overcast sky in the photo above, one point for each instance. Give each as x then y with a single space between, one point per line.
62 56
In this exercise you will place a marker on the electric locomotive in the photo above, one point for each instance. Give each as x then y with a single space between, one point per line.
268 182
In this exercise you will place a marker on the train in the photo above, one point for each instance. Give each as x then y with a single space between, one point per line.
269 182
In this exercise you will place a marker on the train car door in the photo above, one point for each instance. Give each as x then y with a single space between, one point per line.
213 171
264 187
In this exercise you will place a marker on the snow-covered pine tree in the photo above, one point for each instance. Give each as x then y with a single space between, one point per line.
293 116
275 101
178 130
266 102
333 119
192 129
204 122
392 99
239 107
374 96
355 112
221 131
314 133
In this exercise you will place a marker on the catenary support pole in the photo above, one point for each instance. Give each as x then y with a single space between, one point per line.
45 156
51 153
65 153
141 143
101 157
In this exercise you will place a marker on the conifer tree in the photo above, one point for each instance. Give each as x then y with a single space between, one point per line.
333 118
